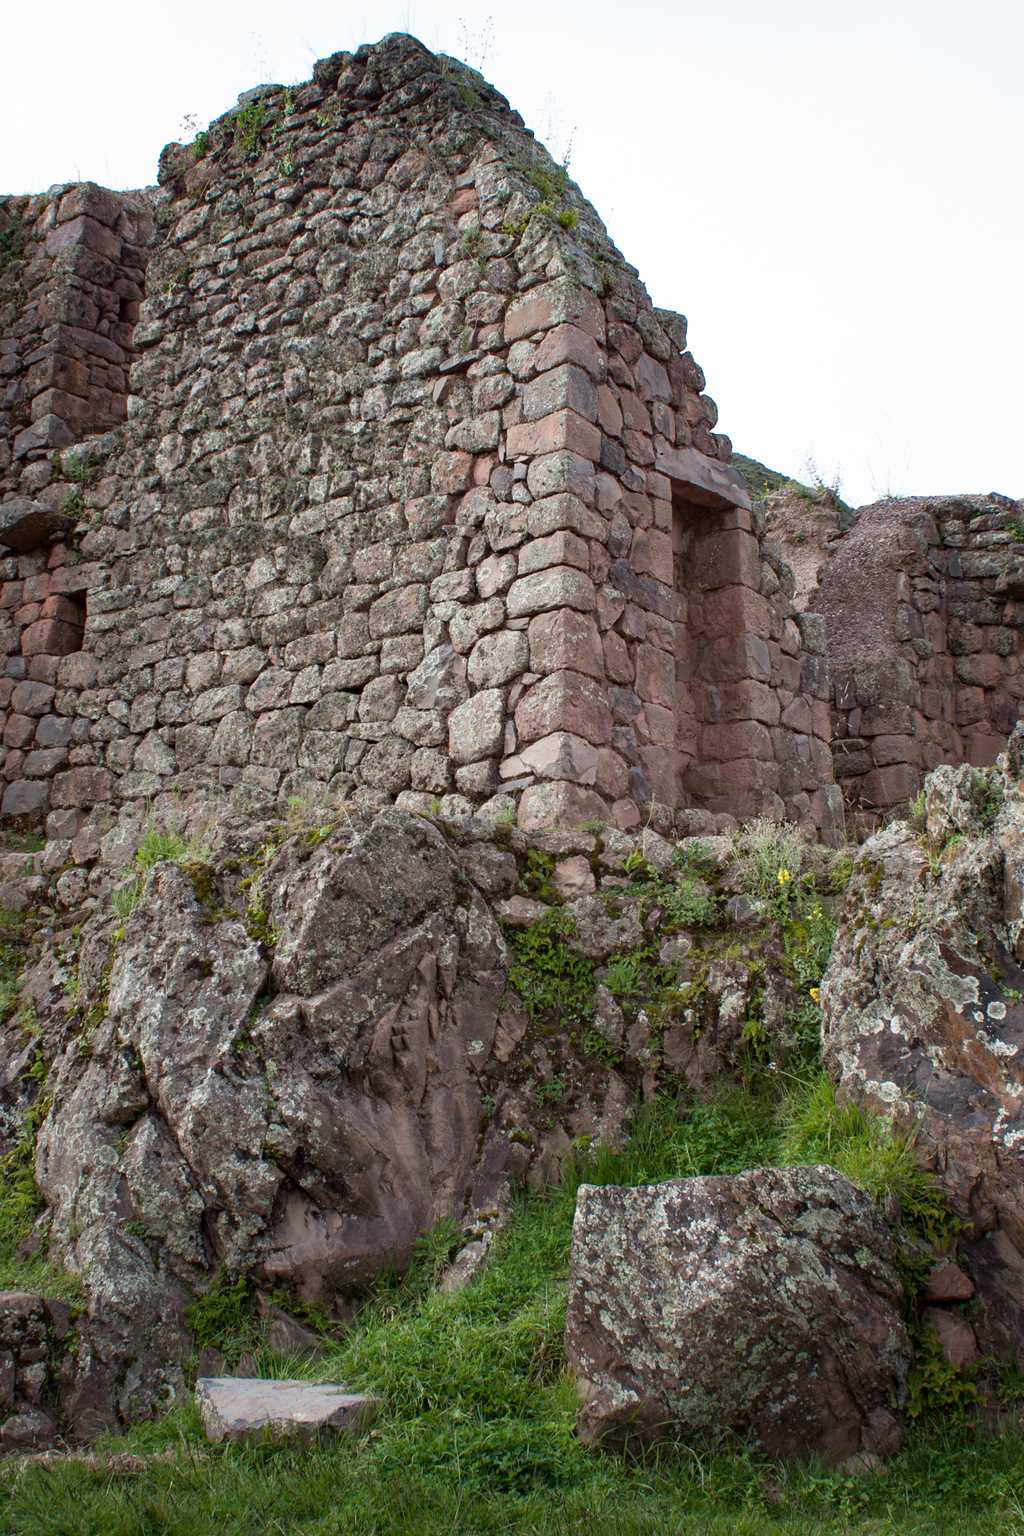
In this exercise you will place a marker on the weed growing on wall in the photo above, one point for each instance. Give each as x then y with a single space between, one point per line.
555 985
158 846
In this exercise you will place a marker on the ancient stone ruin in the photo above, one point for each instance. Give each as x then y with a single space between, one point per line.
922 602
390 650
417 496
355 454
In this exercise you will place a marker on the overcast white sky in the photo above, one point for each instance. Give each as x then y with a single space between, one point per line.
832 192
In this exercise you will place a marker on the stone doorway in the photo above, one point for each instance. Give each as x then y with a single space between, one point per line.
723 662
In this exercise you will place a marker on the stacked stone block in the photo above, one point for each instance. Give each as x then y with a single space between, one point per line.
395 509
72 276
34 1333
924 601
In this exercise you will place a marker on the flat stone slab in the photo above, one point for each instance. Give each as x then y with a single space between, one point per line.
26 524
250 1408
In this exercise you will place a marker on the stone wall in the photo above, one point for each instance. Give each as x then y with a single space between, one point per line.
34 1332
419 496
924 604
72 274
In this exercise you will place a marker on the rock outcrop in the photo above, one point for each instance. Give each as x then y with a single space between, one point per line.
765 1305
305 1047
924 1011
304 1119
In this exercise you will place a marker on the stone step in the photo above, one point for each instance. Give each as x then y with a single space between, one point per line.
252 1408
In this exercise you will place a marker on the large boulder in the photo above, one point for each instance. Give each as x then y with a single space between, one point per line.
924 1012
301 1117
764 1305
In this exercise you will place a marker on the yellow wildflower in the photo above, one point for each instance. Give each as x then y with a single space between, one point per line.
816 994
784 877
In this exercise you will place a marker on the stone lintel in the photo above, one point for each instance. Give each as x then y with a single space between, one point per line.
706 481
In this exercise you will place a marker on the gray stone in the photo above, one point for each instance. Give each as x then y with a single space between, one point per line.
498 658
25 799
766 1305
923 1014
239 1408
477 728
27 524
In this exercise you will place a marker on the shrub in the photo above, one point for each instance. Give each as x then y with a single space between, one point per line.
766 851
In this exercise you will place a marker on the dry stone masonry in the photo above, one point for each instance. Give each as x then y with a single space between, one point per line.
924 603
418 496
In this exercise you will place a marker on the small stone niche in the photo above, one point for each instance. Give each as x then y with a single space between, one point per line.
60 628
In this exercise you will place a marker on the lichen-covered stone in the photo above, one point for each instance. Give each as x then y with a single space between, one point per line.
764 1305
923 1018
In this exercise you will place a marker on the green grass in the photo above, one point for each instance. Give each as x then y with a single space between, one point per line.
477 1432
156 847
815 1129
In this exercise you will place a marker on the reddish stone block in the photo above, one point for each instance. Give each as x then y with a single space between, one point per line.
798 716
662 513
399 612
749 700
742 739
983 746
561 756
886 750
617 659
609 413
651 554
612 774
552 304
561 430
639 447
462 201
652 378
85 231
451 473
85 197
565 640
626 815
57 607
731 660
51 637
726 558
570 344
635 414
655 675
659 765
891 786
19 731
565 701
735 611
658 725
980 671
80 787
